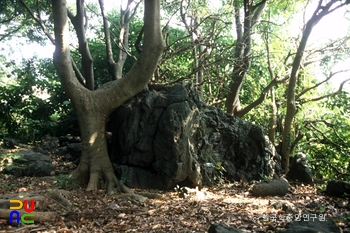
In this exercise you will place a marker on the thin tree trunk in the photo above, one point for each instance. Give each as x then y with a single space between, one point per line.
116 67
80 24
243 53
201 69
273 118
318 14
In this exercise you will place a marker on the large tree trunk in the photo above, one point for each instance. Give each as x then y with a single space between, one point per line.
94 107
95 164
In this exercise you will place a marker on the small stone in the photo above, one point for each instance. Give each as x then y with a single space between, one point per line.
277 187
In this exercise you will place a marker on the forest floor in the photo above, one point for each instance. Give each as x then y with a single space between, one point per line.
231 204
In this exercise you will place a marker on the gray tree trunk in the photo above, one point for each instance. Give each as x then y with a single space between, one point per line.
93 107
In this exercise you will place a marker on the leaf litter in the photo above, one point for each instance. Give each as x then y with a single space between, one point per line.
190 210
231 204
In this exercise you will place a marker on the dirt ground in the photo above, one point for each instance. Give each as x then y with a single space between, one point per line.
170 211
229 204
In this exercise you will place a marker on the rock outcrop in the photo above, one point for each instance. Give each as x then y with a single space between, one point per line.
29 163
299 169
166 136
326 225
338 188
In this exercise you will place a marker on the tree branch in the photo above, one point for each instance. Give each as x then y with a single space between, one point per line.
79 26
262 96
325 138
109 53
331 75
49 36
39 21
258 10
138 41
62 59
331 165
4 36
137 78
340 89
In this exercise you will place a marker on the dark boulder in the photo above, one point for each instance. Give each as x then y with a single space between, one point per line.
13 170
74 150
48 144
222 228
317 225
38 168
30 163
32 156
299 169
338 188
70 148
166 136
10 143
66 140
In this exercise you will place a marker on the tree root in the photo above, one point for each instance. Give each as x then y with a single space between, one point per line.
96 181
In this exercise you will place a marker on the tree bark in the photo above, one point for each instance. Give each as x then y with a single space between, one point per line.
116 67
273 117
318 14
93 107
95 161
80 28
243 52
